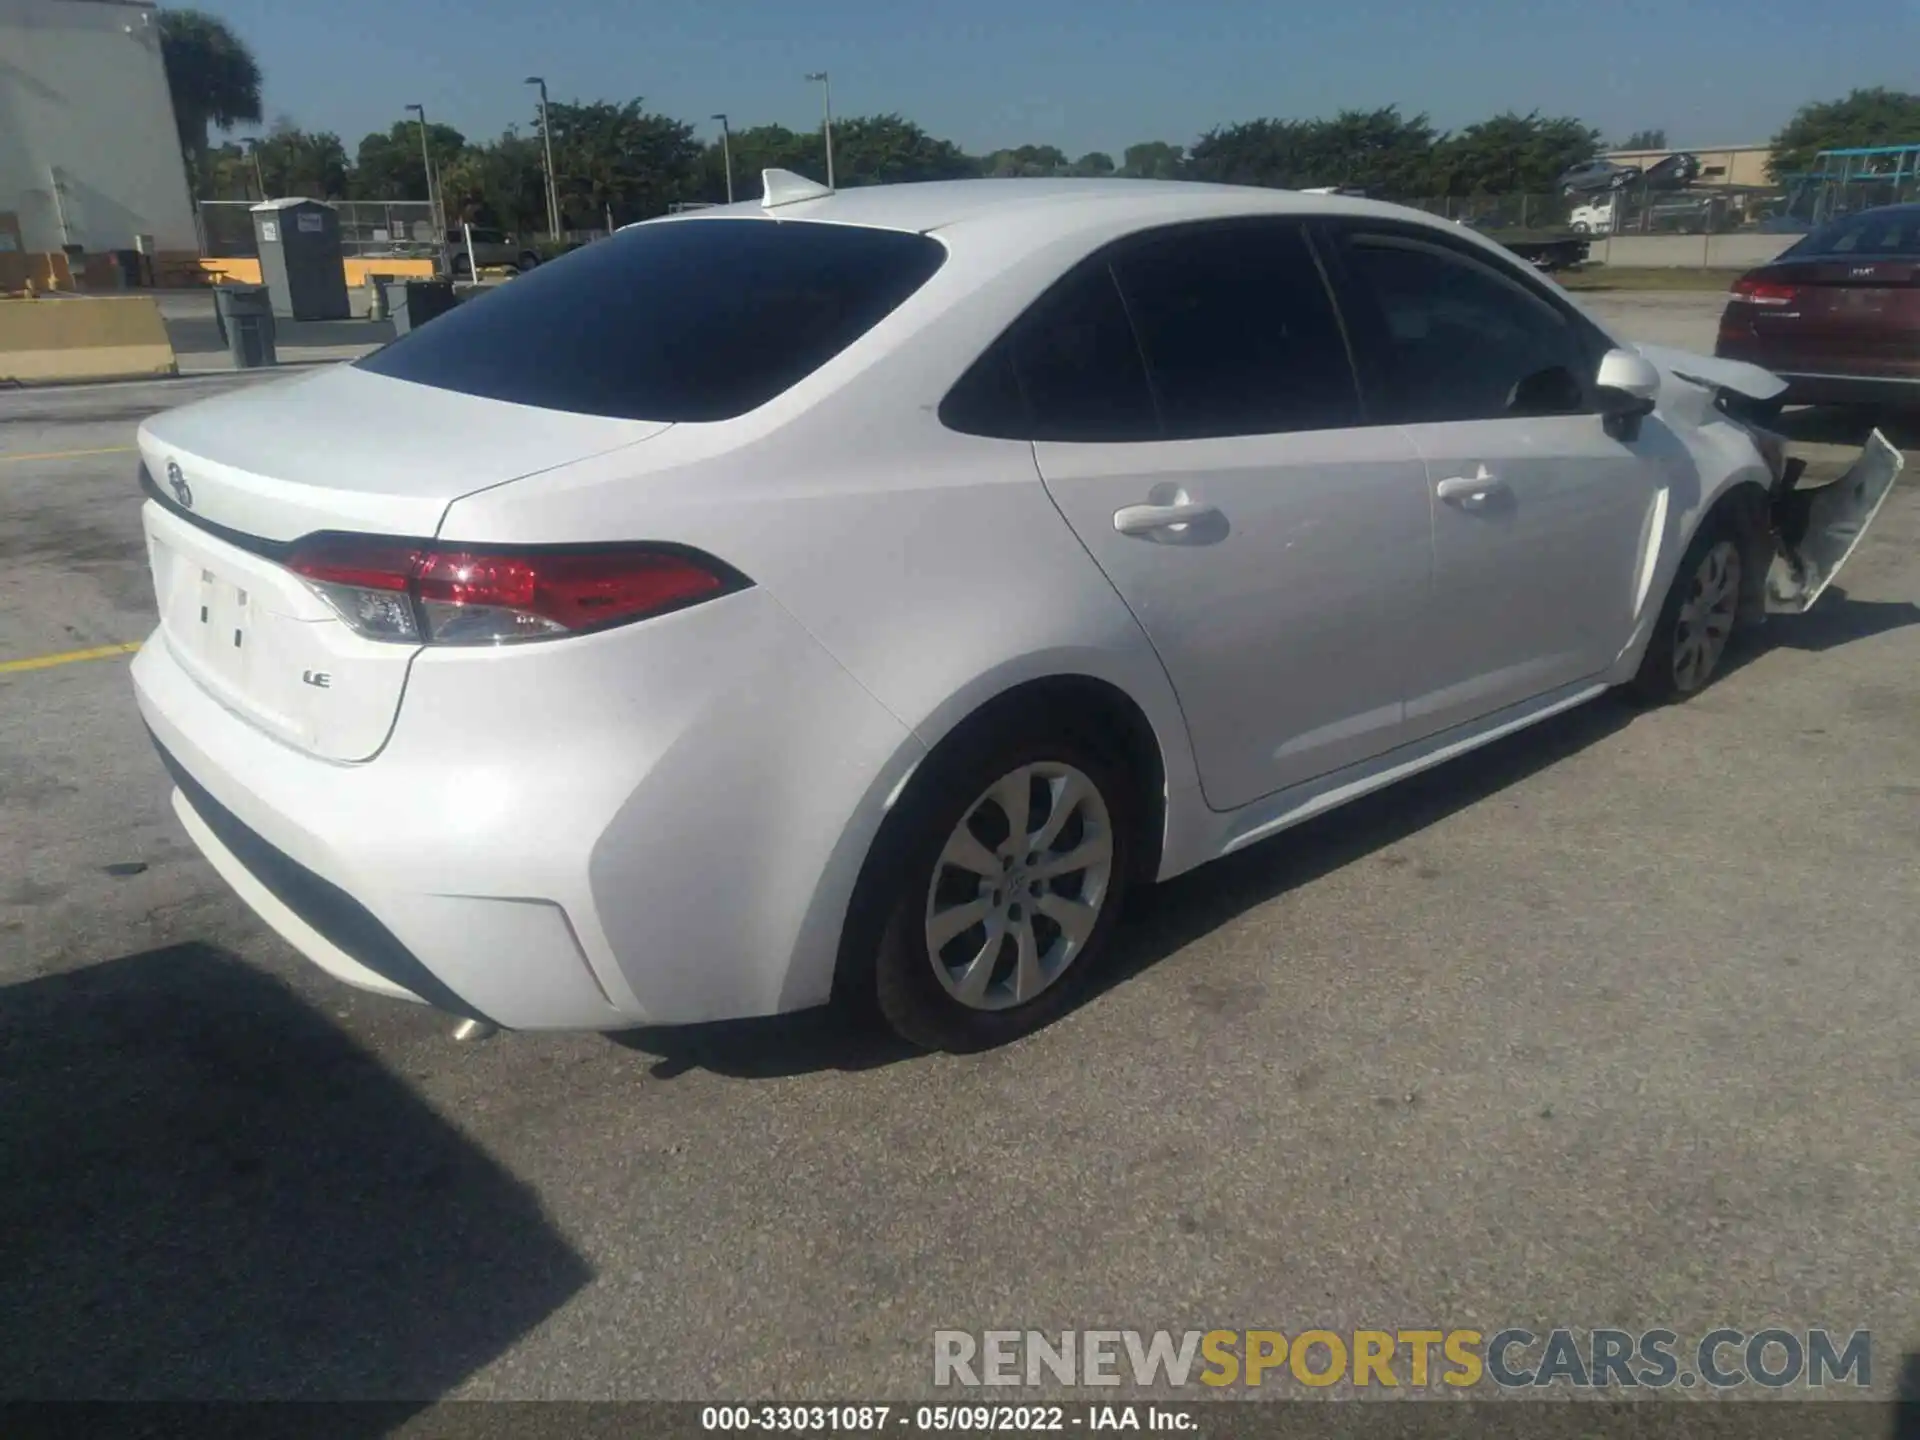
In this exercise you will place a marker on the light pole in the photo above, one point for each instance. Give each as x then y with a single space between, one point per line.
826 102
546 142
252 142
426 163
726 153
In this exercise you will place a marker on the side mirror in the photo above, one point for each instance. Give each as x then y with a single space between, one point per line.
1628 387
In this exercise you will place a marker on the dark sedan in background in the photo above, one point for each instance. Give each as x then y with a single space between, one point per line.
1838 315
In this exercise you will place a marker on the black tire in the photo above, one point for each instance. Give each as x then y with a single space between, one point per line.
528 261
462 268
1659 681
904 983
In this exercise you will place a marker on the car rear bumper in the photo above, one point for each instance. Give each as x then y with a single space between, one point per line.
1813 388
1840 380
656 825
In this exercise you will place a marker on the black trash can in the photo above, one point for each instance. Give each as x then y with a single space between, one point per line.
245 316
412 303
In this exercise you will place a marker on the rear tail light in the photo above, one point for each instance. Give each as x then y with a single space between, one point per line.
1765 292
420 592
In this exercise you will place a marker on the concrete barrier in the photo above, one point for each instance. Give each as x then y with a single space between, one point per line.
246 270
84 338
39 269
1740 251
358 270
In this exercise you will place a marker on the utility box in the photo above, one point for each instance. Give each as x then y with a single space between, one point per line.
245 315
300 259
412 303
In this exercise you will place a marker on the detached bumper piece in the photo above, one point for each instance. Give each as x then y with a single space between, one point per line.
335 915
1816 531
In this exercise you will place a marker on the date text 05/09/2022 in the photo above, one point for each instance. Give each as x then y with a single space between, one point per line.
1013 1419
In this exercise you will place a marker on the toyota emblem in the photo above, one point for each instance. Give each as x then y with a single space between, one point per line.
182 491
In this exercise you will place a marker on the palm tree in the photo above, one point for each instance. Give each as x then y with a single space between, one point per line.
214 79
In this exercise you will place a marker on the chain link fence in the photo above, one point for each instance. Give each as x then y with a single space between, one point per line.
384 229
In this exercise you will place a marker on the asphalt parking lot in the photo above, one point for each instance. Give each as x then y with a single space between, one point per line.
1614 1023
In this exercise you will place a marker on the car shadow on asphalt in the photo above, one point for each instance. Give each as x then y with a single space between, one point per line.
1836 619
1160 919
1165 918
213 1194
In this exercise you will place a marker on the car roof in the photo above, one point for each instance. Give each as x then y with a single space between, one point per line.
1042 208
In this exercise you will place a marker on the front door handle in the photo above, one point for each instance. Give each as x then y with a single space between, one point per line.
1471 492
1150 519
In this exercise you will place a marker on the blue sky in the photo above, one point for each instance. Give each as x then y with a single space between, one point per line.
1080 74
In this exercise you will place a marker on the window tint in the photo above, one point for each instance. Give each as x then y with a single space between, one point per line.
1876 232
988 400
1078 365
688 320
1455 340
1239 333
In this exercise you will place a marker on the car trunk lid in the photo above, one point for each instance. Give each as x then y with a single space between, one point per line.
234 482
346 449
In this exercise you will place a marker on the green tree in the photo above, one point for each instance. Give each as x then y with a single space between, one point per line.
295 162
1644 140
1377 150
1025 160
387 164
764 147
887 150
1511 154
228 174
1154 160
213 79
1866 117
620 158
1094 163
500 183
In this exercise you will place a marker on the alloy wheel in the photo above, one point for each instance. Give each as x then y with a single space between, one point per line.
1706 617
1019 885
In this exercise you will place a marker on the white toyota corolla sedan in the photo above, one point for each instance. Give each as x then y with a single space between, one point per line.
848 595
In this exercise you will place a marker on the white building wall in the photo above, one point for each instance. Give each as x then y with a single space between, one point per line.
84 103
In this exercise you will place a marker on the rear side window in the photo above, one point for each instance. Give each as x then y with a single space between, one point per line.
1068 369
1239 332
1456 340
692 320
1876 232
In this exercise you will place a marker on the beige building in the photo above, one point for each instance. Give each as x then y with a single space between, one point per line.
1743 165
89 154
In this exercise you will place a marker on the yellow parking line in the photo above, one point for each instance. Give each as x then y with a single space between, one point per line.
65 454
69 657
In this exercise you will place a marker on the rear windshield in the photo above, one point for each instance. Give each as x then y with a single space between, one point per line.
685 321
1872 232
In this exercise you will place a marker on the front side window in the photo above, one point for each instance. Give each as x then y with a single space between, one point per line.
1453 339
684 320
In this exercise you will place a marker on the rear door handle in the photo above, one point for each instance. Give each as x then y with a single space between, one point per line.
1471 492
1150 519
